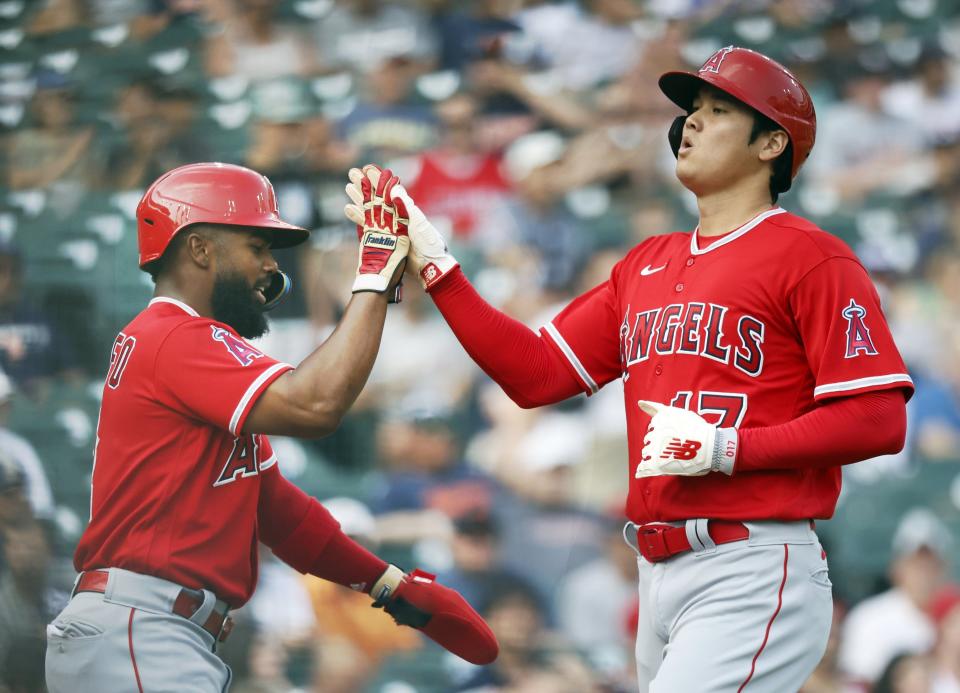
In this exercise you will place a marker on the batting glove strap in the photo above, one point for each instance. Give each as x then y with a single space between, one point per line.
725 448
434 270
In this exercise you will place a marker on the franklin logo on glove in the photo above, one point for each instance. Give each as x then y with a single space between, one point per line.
382 240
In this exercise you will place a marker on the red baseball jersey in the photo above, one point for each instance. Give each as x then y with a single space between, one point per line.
176 481
751 329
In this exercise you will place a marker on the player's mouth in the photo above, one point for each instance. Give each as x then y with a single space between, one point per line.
259 291
685 144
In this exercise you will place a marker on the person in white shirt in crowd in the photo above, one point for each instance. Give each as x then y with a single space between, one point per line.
897 621
930 99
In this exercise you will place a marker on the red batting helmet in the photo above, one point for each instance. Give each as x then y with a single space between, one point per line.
761 83
210 193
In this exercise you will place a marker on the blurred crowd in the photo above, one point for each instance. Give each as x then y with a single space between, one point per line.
533 134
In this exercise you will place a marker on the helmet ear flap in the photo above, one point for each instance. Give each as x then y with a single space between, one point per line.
675 134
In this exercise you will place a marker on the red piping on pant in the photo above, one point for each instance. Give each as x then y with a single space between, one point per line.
136 672
766 636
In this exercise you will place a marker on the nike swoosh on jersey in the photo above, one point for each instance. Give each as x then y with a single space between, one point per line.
648 270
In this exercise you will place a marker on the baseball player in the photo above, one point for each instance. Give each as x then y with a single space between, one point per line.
185 482
756 362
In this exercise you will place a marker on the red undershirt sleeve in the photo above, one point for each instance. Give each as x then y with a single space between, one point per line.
841 431
303 534
513 355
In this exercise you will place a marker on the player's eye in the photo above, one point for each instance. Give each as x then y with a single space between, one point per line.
719 109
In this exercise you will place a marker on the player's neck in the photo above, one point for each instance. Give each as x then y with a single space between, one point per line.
169 289
726 210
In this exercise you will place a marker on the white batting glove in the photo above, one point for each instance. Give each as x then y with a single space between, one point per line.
682 443
428 257
382 224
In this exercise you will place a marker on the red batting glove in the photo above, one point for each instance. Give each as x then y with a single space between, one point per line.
382 225
441 613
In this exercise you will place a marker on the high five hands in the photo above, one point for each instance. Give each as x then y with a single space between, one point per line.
428 256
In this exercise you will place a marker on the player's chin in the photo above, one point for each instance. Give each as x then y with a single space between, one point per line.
687 176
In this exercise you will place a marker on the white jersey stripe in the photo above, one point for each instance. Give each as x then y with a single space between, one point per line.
180 304
248 395
734 235
571 357
269 463
861 383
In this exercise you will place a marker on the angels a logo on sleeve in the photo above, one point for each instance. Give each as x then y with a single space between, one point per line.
858 334
714 61
239 349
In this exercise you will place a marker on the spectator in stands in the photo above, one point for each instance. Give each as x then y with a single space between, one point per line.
897 621
475 548
550 533
848 161
32 349
264 666
14 504
457 183
593 602
536 218
28 601
398 381
930 99
476 31
17 451
907 672
425 483
388 121
52 16
154 135
352 639
255 45
292 143
945 612
361 35
926 316
281 607
532 657
55 147
583 46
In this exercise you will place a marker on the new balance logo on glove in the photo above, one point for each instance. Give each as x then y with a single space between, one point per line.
683 443
681 449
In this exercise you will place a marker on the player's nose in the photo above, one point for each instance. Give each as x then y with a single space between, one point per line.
270 264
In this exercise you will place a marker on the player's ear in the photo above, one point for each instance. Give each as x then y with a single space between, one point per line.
774 144
199 246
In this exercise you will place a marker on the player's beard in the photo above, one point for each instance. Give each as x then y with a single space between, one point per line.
235 304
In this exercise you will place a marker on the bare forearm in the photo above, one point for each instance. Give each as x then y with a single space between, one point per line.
310 400
333 375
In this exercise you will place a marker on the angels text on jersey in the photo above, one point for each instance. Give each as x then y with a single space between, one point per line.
695 328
